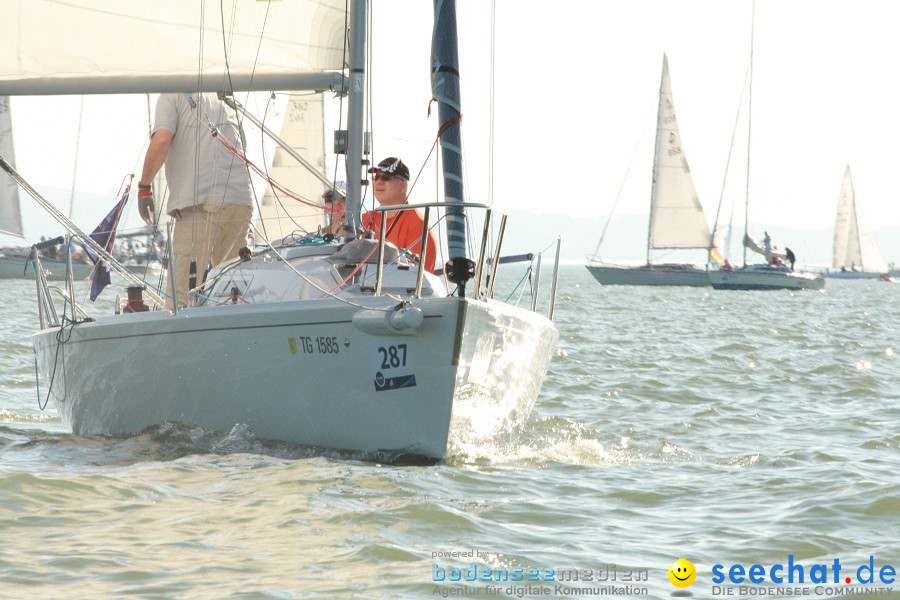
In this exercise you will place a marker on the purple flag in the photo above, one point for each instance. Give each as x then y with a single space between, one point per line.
105 235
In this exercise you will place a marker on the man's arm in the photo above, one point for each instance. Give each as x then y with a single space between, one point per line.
156 155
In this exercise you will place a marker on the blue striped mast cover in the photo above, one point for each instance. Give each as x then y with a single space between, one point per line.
445 90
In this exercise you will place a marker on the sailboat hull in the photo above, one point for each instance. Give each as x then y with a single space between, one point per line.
761 277
282 369
17 266
855 275
663 274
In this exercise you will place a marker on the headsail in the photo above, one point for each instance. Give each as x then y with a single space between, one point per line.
10 215
676 216
111 46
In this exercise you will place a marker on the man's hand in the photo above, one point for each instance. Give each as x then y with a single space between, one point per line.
146 207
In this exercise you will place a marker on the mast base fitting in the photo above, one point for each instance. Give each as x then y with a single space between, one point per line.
460 270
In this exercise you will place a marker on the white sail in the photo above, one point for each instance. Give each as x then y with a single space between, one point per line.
101 46
10 216
676 217
854 245
303 129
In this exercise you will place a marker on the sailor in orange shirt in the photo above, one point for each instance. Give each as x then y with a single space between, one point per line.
404 228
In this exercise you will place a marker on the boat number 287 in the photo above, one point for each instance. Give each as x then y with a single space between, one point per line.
392 356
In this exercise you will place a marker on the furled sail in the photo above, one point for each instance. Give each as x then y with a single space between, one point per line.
854 243
10 216
676 216
112 46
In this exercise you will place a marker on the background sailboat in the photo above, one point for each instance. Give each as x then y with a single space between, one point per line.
10 214
303 130
676 216
773 274
856 253
14 251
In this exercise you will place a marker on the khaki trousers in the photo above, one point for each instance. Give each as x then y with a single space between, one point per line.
208 234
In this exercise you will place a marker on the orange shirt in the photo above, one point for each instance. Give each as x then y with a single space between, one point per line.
404 231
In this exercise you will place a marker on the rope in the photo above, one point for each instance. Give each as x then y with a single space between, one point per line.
521 281
243 158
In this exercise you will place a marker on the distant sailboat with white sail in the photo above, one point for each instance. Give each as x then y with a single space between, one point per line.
14 262
10 215
856 253
676 216
297 166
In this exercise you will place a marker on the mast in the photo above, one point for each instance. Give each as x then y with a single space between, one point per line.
749 127
355 117
445 89
660 118
712 240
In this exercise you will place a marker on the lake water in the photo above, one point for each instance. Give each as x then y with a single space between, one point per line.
729 428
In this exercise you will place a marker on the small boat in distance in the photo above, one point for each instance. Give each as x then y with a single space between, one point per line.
676 216
856 253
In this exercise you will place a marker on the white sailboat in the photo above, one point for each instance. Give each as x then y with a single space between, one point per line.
14 257
348 345
773 274
303 132
856 253
676 216
10 213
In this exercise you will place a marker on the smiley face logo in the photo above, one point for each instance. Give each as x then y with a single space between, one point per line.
682 573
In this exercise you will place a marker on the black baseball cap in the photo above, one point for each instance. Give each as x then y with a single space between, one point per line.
392 166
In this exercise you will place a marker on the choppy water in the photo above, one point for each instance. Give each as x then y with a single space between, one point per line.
723 427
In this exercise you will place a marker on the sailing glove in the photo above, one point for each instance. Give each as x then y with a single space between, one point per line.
146 207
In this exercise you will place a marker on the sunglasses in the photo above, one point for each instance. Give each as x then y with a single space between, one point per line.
382 177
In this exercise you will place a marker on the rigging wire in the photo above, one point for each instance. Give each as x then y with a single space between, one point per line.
227 41
491 97
370 113
725 177
612 209
75 165
749 123
63 335
240 118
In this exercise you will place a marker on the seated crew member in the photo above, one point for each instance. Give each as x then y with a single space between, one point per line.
404 228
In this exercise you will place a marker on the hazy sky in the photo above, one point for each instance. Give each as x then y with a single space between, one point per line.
575 84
